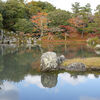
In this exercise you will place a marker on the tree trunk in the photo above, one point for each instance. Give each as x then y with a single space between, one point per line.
65 37
41 27
82 33
2 36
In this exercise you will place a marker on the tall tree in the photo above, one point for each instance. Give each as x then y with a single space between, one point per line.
35 7
40 22
13 10
58 17
76 8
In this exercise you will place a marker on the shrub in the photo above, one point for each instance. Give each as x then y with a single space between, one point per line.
93 41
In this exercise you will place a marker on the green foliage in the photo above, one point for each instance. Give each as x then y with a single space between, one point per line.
23 25
12 11
32 8
16 15
1 19
58 17
46 7
35 7
93 41
76 8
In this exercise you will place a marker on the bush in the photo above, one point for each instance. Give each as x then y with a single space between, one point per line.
93 41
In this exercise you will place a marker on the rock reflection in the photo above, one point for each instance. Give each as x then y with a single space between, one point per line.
49 80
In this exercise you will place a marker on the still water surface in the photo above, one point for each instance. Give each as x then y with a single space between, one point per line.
20 78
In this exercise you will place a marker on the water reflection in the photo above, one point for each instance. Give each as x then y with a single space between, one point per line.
20 78
36 80
52 85
49 80
89 98
8 91
73 80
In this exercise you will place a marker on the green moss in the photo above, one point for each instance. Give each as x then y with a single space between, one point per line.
89 62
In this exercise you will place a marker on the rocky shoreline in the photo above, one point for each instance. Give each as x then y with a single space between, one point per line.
51 62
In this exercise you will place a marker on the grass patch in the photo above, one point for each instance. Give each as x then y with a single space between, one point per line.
89 62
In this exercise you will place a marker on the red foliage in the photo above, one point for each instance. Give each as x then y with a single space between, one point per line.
76 22
40 20
68 28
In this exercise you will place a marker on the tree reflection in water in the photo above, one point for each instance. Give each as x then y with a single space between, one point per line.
17 62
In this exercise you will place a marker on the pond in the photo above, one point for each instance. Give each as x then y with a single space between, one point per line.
20 78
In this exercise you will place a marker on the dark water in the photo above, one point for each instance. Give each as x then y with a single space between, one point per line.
20 78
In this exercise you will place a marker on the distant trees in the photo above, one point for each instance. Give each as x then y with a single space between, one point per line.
39 17
82 17
35 7
58 17
13 10
23 25
15 15
76 8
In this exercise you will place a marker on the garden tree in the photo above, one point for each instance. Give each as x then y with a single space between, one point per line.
1 19
82 17
13 10
68 29
86 11
1 27
24 25
94 24
76 8
46 7
40 22
2 5
58 17
97 19
35 7
22 1
88 8
78 23
86 17
98 9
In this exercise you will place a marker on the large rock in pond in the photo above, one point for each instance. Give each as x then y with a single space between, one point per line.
76 67
50 61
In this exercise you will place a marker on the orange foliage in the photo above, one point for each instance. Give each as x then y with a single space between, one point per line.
40 20
77 22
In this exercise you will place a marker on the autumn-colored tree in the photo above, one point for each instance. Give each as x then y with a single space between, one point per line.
78 23
40 22
69 31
